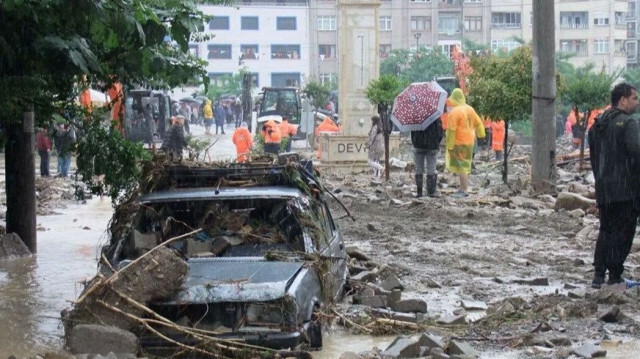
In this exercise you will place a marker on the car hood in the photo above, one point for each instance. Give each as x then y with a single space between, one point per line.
212 280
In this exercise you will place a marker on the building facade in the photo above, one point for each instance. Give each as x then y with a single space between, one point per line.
286 42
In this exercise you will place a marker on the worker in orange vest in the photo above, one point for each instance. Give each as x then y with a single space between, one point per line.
243 141
287 130
272 137
326 127
497 138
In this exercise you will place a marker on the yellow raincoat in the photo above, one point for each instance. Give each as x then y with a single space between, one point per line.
463 125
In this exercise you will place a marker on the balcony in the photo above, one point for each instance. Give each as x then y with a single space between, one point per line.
574 26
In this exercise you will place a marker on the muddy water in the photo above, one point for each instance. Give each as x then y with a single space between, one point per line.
34 290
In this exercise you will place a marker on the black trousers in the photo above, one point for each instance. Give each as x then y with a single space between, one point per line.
272 148
44 163
617 229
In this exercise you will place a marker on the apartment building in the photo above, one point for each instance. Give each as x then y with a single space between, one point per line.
268 37
591 30
284 42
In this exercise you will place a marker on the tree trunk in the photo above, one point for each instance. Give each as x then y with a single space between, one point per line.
505 153
386 131
543 150
583 132
21 180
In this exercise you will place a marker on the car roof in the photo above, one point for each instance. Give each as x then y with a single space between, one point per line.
227 193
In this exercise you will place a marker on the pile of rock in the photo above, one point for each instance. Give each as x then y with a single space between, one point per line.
425 345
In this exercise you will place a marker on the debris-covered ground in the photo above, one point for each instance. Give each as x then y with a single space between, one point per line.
504 269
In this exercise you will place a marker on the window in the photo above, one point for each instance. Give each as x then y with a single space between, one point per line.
422 1
473 23
255 79
448 24
601 21
472 1
504 45
419 23
575 47
288 79
285 51
619 47
286 23
601 46
574 20
326 23
385 50
506 20
632 51
631 9
328 79
249 52
448 2
219 52
194 50
620 18
220 78
219 23
385 23
249 23
327 51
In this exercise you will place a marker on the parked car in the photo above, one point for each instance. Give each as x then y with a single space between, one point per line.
268 257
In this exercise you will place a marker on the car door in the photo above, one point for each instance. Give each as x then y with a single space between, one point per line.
335 252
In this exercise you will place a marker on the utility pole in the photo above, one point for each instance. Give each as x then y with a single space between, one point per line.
543 156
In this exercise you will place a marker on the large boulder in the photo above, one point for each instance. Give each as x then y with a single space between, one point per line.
100 339
12 246
154 277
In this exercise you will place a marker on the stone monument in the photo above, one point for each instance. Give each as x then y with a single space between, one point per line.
359 64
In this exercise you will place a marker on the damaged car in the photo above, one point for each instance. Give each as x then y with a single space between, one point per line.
263 251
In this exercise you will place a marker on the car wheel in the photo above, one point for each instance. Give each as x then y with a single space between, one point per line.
315 335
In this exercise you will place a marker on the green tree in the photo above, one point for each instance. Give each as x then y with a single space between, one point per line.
381 93
227 84
47 47
500 87
587 90
632 76
420 66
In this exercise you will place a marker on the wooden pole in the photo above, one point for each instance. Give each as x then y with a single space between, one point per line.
543 157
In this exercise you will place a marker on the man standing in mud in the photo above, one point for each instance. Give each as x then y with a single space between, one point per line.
614 144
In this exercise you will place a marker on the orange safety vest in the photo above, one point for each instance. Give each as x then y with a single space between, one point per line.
287 129
497 136
271 132
243 141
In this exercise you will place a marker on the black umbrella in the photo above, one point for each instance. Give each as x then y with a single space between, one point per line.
189 99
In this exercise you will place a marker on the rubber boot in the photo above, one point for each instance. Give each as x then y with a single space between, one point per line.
419 184
432 186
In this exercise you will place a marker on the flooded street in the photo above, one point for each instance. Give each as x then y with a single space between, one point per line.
34 290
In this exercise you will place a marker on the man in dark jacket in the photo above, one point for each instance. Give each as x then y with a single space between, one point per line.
175 140
614 144
426 145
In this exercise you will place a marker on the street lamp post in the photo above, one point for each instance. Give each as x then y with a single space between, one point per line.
417 36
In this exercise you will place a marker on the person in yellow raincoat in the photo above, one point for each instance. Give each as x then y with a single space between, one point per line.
463 126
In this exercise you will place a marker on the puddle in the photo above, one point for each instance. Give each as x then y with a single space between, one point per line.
624 350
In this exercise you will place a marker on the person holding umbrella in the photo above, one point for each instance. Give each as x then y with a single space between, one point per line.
420 109
464 124
426 146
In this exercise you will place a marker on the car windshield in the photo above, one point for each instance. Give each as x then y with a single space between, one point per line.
230 228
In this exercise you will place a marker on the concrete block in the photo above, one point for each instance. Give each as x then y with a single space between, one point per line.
411 305
402 348
373 301
460 348
100 339
391 282
589 351
431 340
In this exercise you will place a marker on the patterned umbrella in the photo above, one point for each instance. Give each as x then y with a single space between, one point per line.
418 106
